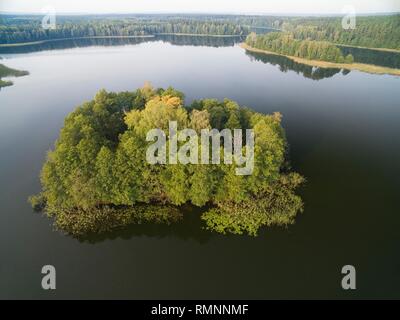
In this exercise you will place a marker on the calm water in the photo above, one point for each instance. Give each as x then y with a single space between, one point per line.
343 130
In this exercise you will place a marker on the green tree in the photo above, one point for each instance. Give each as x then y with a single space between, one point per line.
349 59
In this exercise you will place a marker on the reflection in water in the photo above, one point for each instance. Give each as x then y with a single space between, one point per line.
72 43
262 30
180 40
368 56
286 64
189 228
376 57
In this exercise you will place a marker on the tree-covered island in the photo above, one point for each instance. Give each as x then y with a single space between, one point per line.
97 178
9 72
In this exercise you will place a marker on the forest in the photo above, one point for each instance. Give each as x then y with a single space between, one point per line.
30 29
97 178
286 44
381 31
371 31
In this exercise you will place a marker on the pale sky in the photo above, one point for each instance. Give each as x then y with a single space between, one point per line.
201 6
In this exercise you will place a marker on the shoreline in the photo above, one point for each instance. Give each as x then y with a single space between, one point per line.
21 44
369 68
200 35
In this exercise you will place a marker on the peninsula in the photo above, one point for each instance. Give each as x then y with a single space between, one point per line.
320 54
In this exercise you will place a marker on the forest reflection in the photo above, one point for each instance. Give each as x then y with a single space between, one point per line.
367 56
376 57
286 64
179 40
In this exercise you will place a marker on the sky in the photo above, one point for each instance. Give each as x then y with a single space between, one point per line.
201 6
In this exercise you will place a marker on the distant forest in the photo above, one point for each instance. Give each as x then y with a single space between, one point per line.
25 29
374 31
381 31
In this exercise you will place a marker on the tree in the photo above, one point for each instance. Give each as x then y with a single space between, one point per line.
349 59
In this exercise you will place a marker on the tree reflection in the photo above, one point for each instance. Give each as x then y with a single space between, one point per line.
179 40
375 57
286 64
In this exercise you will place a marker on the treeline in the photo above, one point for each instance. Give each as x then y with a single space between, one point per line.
97 177
14 30
286 44
381 31
373 32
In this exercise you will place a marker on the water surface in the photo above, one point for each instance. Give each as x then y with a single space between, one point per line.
343 130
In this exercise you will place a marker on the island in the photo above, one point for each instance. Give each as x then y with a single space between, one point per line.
9 72
98 178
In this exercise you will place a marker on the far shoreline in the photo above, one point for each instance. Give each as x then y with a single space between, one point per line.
369 68
21 44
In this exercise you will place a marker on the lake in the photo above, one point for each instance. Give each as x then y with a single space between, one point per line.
343 129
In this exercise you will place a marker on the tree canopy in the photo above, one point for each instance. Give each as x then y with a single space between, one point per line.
97 177
27 29
286 43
